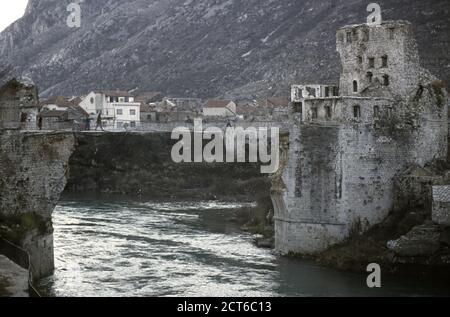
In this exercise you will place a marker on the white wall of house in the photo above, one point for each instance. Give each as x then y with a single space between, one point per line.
232 107
93 103
126 113
114 113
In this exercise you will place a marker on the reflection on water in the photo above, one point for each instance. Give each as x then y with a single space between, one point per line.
118 247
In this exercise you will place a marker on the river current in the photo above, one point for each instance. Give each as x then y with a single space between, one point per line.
114 246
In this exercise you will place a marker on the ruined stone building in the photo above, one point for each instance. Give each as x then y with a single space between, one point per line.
350 142
18 106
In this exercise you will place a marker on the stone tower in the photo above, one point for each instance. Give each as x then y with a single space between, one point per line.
386 53
346 149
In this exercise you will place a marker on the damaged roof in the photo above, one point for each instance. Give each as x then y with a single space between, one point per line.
59 101
54 114
276 102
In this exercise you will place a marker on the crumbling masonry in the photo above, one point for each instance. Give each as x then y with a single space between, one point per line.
33 172
346 148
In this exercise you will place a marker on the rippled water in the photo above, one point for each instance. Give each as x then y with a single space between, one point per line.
118 247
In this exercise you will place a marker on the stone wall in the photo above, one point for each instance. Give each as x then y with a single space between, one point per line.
347 152
340 182
33 171
441 213
413 191
340 176
394 40
441 205
306 216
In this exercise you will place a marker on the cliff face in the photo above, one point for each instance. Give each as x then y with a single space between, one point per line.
140 164
202 48
33 169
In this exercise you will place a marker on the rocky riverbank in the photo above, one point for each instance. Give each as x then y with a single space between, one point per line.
402 244
407 241
258 220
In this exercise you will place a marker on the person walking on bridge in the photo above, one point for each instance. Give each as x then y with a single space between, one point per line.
87 123
40 122
99 122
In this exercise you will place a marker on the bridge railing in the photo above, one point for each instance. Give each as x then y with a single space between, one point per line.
22 258
133 126
170 126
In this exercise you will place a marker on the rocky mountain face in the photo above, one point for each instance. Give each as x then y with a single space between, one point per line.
202 48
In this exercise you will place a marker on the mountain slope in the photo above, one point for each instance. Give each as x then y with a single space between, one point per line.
202 48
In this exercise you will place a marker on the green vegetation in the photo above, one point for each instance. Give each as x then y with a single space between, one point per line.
14 228
360 249
112 164
258 220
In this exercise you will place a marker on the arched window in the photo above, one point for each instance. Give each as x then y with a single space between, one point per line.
355 86
369 77
386 80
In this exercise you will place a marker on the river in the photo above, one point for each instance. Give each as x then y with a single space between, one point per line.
114 246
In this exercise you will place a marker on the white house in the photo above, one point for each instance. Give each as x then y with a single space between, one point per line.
118 108
219 108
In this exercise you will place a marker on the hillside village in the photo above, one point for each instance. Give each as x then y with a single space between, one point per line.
122 110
